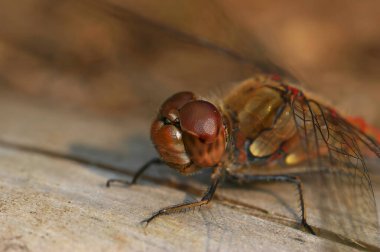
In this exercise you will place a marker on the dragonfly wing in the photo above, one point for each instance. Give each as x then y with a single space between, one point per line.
343 196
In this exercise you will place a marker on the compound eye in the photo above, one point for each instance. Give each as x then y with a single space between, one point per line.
201 119
169 109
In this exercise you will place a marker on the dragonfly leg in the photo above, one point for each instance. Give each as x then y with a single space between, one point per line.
138 173
243 178
215 178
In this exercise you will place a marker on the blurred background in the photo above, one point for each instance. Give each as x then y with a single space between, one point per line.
118 57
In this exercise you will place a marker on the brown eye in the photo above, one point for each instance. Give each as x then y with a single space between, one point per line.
168 141
170 107
201 119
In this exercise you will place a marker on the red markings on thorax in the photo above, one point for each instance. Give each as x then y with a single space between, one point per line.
333 112
294 91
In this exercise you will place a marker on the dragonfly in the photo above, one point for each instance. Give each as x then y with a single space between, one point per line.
268 129
265 124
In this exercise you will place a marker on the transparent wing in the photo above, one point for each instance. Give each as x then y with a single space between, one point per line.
197 22
342 192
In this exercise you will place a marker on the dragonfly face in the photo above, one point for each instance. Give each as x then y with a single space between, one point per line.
189 133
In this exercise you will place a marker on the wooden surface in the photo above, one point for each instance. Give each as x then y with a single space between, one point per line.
53 166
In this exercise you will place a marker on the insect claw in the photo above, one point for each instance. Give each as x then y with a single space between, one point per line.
145 221
308 227
148 220
145 224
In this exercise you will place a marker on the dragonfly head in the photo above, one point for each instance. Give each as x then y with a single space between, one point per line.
188 133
